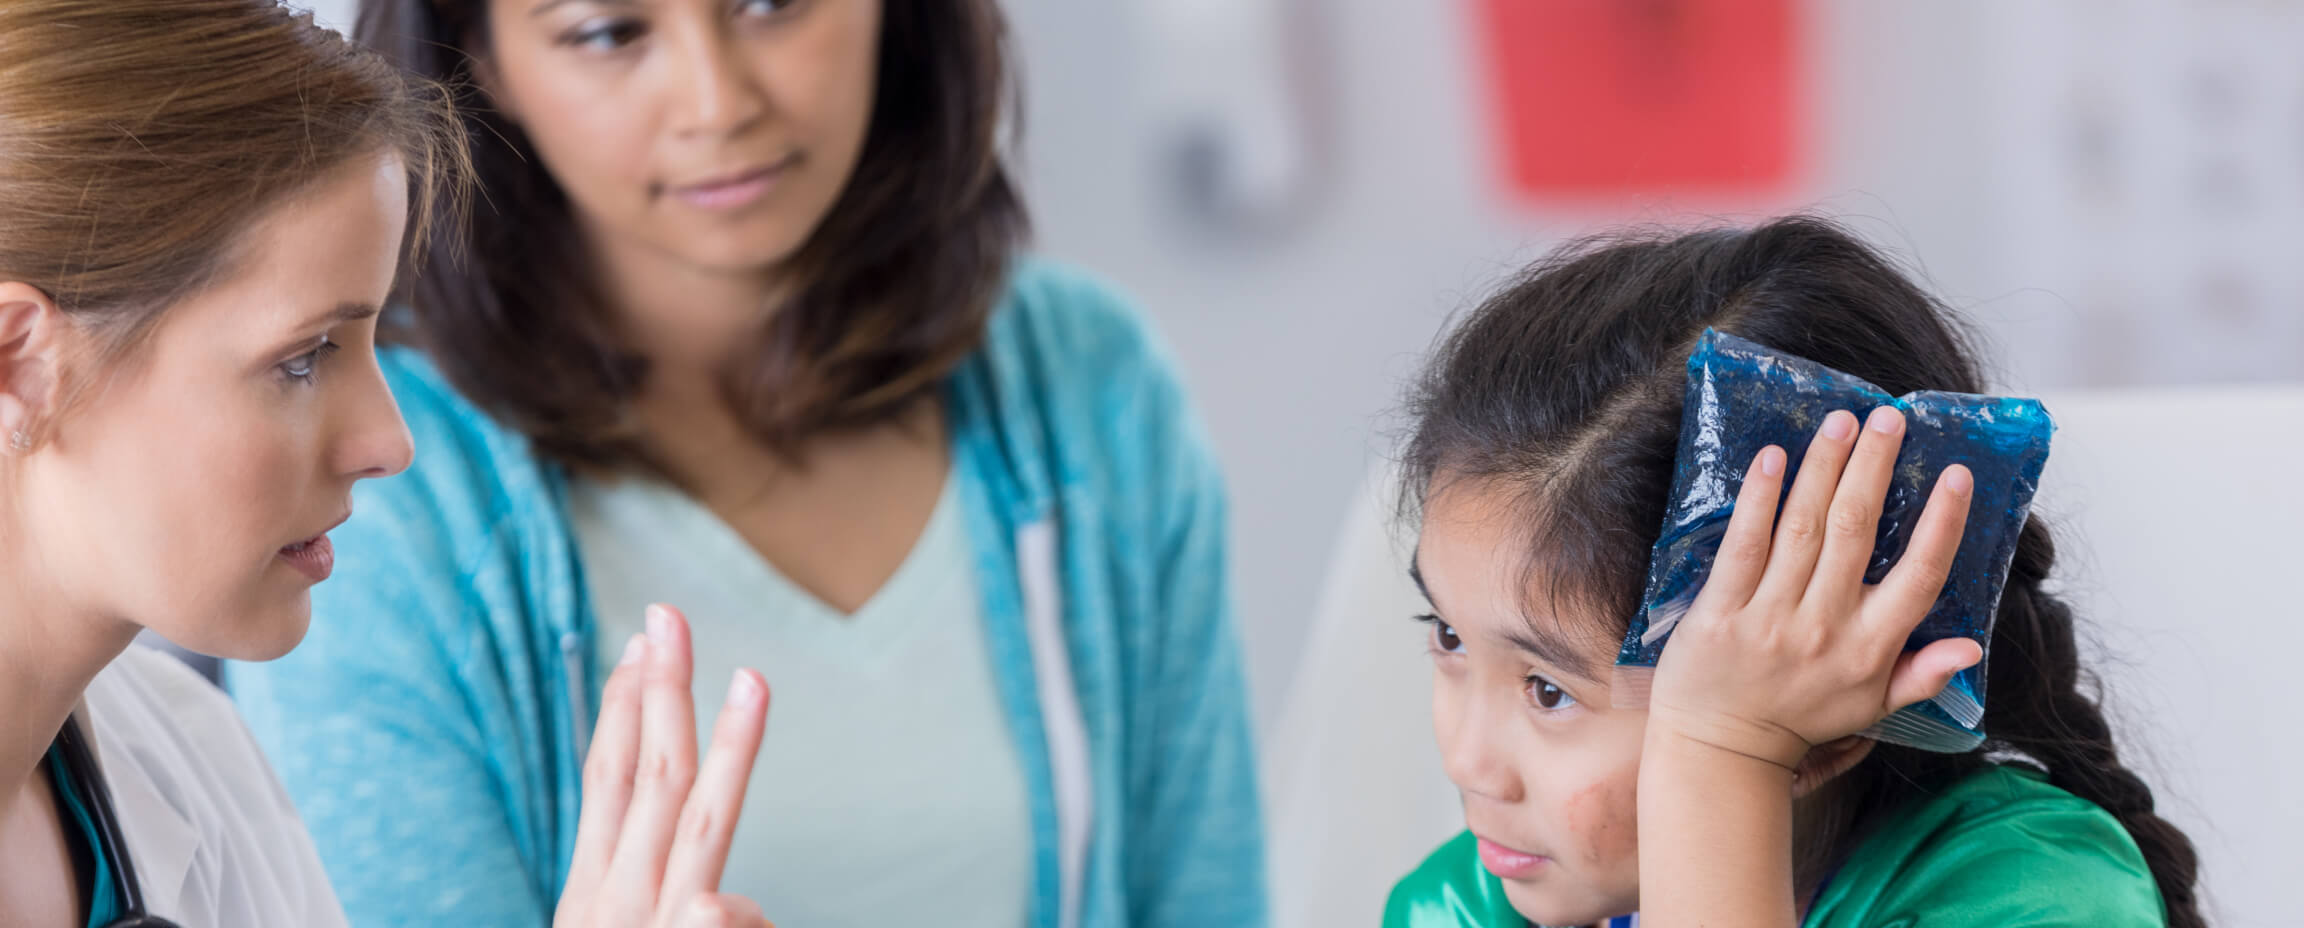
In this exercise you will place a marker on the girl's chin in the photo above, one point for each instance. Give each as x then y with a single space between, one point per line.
1545 905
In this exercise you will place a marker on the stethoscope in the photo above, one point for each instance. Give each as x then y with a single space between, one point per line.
80 765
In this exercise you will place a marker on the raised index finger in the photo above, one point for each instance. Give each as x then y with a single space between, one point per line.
667 766
608 766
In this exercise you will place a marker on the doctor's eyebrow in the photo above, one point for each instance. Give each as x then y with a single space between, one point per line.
347 311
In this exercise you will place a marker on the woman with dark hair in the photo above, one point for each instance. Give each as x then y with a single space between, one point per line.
741 323
1541 465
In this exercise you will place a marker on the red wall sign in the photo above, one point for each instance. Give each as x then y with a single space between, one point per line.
1618 96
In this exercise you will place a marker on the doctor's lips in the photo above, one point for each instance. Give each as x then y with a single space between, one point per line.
730 190
314 557
1509 863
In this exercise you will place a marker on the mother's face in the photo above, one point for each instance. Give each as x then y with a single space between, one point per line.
711 134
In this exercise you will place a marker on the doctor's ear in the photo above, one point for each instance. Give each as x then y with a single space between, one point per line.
32 336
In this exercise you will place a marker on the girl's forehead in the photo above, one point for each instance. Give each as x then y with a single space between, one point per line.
1506 621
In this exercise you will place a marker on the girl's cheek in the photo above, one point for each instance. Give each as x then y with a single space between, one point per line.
1604 819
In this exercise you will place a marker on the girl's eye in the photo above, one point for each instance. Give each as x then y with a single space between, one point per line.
606 34
1545 694
762 7
301 368
1444 638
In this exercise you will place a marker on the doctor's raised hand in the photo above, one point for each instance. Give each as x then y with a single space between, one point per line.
654 831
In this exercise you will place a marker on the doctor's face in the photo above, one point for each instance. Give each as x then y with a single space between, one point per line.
191 488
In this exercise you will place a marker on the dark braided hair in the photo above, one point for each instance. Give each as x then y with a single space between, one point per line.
1565 388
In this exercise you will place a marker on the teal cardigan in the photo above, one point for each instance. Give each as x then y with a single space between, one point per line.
432 725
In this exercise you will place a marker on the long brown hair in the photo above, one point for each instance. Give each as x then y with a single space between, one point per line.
894 287
1566 387
139 138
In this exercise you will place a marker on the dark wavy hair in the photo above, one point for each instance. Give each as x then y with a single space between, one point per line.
895 285
1566 387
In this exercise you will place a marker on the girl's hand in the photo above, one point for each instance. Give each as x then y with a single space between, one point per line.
654 830
1786 647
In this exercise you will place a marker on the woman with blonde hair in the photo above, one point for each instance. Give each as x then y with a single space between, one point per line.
202 204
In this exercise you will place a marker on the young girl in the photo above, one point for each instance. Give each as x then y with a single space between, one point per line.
203 203
1541 463
742 322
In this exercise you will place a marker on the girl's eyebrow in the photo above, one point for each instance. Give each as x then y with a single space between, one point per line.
1416 573
1526 637
1551 649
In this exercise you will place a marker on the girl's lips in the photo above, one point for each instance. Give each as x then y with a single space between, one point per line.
1507 863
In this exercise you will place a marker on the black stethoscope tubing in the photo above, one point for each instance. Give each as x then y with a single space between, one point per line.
80 765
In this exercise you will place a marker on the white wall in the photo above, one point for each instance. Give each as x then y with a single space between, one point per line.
2175 564
333 13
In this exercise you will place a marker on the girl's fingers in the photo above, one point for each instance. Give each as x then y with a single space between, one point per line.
608 767
709 820
1743 553
666 769
1800 529
1920 675
1910 590
1852 523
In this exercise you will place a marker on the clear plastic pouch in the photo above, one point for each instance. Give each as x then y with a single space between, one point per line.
1743 397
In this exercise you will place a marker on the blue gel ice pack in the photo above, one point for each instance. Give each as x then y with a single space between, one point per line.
1743 397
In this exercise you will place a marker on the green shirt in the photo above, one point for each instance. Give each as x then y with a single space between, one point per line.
1999 849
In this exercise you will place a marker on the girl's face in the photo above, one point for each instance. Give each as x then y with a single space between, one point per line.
712 134
1520 703
186 489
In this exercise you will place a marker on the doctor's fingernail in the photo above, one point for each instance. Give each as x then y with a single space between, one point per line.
634 648
1959 480
1886 420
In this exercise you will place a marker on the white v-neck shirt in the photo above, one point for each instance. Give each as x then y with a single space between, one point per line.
888 790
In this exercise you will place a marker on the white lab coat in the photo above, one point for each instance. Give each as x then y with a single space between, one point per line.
215 841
